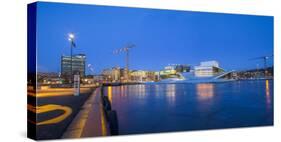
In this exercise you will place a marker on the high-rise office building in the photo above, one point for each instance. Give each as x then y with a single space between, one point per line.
77 67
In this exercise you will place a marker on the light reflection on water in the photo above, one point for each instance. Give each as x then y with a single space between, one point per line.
175 107
205 91
171 93
109 93
157 90
267 93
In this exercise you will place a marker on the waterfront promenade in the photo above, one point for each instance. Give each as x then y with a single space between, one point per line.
180 107
90 121
58 110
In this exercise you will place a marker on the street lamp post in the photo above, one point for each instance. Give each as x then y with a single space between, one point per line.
72 44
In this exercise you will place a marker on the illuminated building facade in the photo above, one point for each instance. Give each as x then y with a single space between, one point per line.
173 70
178 68
207 69
112 74
141 75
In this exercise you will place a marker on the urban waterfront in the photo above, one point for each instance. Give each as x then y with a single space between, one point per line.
89 74
148 108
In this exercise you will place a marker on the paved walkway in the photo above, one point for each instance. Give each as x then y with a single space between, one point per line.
90 121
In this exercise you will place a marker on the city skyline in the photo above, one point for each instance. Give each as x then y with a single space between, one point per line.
107 71
161 37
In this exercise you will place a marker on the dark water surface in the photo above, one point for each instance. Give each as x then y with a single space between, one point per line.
177 107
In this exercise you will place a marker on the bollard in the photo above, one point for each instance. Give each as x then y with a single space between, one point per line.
111 115
107 105
101 90
113 122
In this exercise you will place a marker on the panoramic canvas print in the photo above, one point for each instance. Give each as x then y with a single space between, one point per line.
105 70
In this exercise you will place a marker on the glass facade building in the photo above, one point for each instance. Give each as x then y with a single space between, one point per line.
78 65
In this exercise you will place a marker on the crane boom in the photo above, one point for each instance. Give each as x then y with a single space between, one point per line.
125 49
264 58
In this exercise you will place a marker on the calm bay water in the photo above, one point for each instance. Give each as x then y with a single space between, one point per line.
178 107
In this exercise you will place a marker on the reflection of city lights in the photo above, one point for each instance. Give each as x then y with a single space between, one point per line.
122 90
109 93
171 92
157 89
267 87
142 90
205 91
267 92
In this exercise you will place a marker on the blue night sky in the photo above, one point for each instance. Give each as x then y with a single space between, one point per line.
161 37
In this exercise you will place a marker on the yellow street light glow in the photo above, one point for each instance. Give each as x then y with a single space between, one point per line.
56 92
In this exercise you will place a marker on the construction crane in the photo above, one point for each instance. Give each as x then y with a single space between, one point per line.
264 58
125 49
